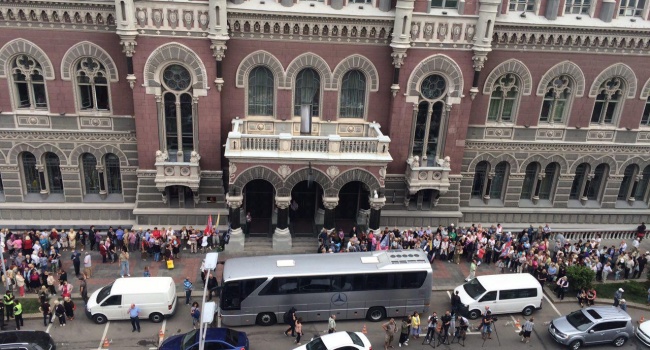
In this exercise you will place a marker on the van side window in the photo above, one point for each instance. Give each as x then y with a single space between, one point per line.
517 293
489 296
606 326
113 300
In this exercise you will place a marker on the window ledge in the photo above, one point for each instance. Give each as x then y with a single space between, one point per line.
110 198
38 198
626 205
93 114
542 203
475 202
575 203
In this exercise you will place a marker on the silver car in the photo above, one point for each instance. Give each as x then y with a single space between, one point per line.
592 325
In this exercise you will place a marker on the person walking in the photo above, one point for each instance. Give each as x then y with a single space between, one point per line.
527 329
187 285
472 271
195 313
618 295
45 309
88 265
124 263
76 262
134 314
290 319
390 328
298 330
331 324
18 314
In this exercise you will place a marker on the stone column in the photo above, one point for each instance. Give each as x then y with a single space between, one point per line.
236 243
42 181
330 203
375 212
282 235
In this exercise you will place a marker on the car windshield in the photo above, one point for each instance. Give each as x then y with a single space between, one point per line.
355 339
579 320
474 289
104 292
232 337
316 344
188 340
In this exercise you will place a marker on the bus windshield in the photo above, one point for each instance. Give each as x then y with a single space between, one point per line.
474 289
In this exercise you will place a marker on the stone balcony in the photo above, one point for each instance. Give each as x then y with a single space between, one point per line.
277 140
427 177
170 173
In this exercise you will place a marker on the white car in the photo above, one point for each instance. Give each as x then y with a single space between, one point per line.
643 333
338 341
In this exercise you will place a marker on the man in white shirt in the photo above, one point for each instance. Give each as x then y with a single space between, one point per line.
635 245
87 265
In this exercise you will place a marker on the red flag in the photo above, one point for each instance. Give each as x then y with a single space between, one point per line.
208 229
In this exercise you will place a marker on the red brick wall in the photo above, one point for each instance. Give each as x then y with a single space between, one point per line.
471 7
421 6
60 93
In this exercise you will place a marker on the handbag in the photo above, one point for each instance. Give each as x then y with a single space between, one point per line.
521 332
170 264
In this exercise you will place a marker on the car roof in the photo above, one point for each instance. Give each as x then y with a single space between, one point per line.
340 338
517 281
36 337
606 313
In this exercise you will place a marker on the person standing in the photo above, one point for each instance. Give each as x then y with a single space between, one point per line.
404 333
455 303
92 237
187 285
8 299
18 314
46 311
640 231
415 325
195 313
618 296
623 305
527 328
83 289
59 312
124 262
249 220
431 327
69 307
88 265
3 325
290 319
562 287
390 328
298 330
472 271
76 262
331 324
134 314
446 323
193 241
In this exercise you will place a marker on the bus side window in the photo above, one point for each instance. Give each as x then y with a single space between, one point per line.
342 283
315 284
377 281
286 285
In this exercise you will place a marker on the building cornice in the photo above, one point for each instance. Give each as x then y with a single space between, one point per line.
28 136
599 148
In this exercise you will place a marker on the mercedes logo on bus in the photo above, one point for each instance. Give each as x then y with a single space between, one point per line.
339 299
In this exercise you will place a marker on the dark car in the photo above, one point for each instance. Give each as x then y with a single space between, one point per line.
216 338
29 340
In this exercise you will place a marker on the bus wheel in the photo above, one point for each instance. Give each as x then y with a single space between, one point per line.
266 319
376 314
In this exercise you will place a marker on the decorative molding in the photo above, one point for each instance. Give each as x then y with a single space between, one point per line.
95 123
511 66
284 170
22 46
87 49
33 121
564 68
498 133
616 70
361 63
440 64
258 58
309 60
333 171
556 148
95 16
601 135
549 134
67 136
175 53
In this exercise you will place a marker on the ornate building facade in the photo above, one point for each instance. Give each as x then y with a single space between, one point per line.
310 114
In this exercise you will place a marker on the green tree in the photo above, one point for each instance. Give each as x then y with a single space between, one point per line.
580 277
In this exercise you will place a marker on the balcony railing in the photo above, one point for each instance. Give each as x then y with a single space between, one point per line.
177 173
427 177
372 145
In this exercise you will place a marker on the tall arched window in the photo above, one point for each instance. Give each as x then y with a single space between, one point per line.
497 188
629 176
90 173
32 181
597 184
480 177
260 91
353 95
178 110
426 139
556 101
27 75
530 181
579 181
608 101
53 173
113 174
503 101
548 182
307 91
92 85
641 193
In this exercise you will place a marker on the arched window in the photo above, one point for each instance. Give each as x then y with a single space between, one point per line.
645 118
497 188
530 181
27 75
178 109
504 98
597 184
353 95
426 139
480 177
556 101
629 176
548 182
53 173
260 91
578 185
92 85
113 174
32 181
90 173
641 193
307 91
608 101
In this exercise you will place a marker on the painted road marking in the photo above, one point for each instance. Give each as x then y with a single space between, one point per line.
553 306
101 341
49 326
162 328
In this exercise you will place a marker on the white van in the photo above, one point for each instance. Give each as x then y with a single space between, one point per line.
155 296
502 293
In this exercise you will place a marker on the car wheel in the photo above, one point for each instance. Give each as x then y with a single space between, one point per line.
528 311
376 314
99 319
575 345
474 314
620 341
156 317
266 319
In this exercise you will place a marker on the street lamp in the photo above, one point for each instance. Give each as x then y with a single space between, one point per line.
208 309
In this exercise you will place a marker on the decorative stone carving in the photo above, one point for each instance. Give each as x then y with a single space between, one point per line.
218 48
157 17
333 171
377 203
455 31
330 202
232 168
188 19
194 157
442 31
282 202
204 19
415 30
284 170
234 202
428 31
172 18
479 61
128 47
161 156
141 16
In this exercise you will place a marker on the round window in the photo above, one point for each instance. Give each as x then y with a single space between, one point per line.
176 77
433 87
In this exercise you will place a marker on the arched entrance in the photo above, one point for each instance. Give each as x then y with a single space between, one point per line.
306 199
179 197
353 197
259 197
